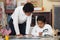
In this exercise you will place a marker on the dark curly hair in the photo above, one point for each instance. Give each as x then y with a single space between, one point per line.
28 7
41 18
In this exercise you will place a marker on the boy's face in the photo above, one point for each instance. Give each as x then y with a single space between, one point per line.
40 24
28 13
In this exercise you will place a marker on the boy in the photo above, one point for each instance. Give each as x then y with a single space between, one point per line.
42 29
22 19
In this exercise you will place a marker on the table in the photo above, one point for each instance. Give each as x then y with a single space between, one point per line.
33 38
36 38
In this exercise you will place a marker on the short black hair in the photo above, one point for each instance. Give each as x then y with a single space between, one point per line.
28 7
41 18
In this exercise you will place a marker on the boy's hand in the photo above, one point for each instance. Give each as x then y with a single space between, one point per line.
19 35
28 35
40 33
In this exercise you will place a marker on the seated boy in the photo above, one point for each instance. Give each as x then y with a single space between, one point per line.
42 29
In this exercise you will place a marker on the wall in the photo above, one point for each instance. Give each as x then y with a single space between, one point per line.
48 4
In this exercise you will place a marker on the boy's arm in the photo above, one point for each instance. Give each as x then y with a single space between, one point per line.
28 24
15 21
49 31
34 31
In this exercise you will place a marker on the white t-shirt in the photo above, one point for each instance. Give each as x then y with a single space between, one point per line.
19 17
47 29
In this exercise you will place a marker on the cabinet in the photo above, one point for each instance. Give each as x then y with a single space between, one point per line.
47 15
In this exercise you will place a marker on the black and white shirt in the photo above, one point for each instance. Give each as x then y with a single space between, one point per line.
47 29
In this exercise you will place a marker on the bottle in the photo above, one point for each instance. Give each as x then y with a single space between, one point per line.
6 37
42 8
